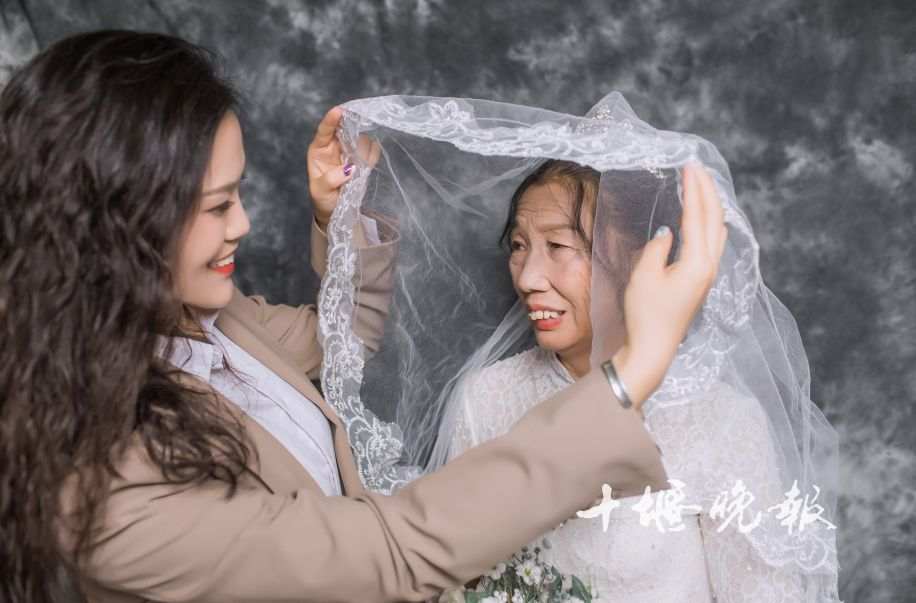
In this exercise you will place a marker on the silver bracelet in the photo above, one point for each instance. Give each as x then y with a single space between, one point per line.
617 385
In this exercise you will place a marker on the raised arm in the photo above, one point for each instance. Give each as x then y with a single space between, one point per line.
181 543
296 327
376 237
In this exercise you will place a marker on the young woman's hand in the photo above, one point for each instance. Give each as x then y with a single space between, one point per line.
661 301
326 169
329 169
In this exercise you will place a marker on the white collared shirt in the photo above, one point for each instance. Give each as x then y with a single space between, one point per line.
277 406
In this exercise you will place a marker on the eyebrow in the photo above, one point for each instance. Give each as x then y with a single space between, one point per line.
550 227
556 226
226 188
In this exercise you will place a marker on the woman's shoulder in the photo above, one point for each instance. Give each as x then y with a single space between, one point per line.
720 400
494 397
525 361
516 381
513 371
715 438
722 413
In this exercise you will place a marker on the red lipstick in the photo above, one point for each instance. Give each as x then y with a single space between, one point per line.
226 270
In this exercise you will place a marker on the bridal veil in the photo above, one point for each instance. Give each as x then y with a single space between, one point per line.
446 172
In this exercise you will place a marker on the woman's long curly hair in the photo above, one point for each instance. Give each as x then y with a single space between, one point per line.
104 142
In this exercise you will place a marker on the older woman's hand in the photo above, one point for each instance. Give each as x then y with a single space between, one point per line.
661 301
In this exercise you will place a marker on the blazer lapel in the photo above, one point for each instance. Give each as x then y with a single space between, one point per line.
276 465
253 339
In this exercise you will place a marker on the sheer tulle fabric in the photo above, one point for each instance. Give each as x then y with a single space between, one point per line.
735 404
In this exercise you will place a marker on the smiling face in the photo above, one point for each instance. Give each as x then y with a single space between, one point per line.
205 262
550 263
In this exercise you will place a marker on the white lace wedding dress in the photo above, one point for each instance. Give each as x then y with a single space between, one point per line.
722 439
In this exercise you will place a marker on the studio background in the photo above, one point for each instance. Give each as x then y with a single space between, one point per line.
810 101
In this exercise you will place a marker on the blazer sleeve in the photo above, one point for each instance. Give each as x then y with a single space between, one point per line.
169 543
296 327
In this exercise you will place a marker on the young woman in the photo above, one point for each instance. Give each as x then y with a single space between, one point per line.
159 435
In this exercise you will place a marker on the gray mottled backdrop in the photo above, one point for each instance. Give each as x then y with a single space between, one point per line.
810 101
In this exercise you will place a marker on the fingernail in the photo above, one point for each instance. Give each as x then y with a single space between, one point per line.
663 231
347 169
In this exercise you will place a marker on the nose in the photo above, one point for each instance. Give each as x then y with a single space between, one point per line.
238 224
532 274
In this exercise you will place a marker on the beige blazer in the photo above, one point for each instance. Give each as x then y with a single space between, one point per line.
163 542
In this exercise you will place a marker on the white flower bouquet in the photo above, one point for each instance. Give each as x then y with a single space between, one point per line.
523 579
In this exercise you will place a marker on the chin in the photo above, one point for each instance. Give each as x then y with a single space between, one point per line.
216 298
220 302
554 342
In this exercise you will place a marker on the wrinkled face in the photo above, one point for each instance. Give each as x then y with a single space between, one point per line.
551 270
206 256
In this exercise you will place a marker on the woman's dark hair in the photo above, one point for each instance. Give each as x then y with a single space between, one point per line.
105 138
634 204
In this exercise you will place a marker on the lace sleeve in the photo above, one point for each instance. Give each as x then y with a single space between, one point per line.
737 571
738 574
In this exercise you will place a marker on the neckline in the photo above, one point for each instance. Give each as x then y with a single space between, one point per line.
554 361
